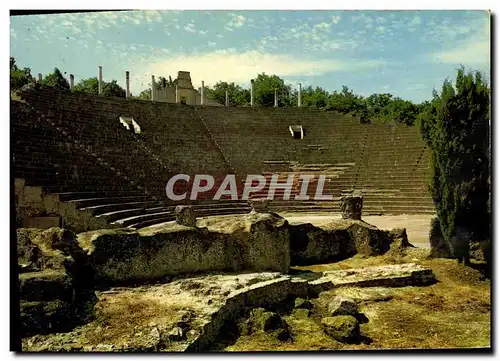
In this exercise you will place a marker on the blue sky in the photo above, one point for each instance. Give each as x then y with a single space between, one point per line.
405 53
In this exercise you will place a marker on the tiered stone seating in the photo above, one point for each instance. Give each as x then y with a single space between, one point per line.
74 145
148 159
387 163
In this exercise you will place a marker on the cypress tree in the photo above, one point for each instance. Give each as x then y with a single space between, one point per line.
456 129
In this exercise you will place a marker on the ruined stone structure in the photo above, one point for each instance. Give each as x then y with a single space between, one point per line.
90 170
182 91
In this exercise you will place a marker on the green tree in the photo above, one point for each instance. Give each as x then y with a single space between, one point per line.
19 77
456 128
91 85
112 89
314 98
237 95
265 85
403 111
144 95
347 102
56 79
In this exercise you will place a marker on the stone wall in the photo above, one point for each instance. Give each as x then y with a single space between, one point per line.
55 281
33 207
342 239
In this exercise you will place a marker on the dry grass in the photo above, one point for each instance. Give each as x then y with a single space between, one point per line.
124 314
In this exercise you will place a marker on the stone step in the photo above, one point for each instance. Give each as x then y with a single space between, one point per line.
130 212
106 208
87 202
68 196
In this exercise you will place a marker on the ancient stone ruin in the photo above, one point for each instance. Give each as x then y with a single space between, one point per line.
351 206
184 215
125 268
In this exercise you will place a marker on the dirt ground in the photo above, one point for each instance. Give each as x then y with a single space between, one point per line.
417 225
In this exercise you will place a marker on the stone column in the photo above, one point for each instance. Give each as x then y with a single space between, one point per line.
100 79
299 98
153 88
252 92
185 216
351 206
39 77
71 81
259 205
176 93
127 84
202 93
275 98
227 98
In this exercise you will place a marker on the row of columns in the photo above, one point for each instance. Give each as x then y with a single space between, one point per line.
202 89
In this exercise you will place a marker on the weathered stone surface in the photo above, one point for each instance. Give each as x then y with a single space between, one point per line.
302 303
192 334
39 249
400 275
45 286
342 306
258 242
161 303
367 239
341 328
301 313
351 206
364 295
185 216
310 244
341 239
398 240
260 205
440 248
57 294
262 320
45 316
176 334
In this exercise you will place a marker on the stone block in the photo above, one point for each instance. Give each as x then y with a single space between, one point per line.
184 215
351 206
341 328
342 306
260 205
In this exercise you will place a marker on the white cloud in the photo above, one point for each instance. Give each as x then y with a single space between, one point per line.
474 51
322 26
240 67
380 29
237 21
335 19
190 28
471 53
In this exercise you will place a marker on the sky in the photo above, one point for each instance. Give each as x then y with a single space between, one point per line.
405 53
